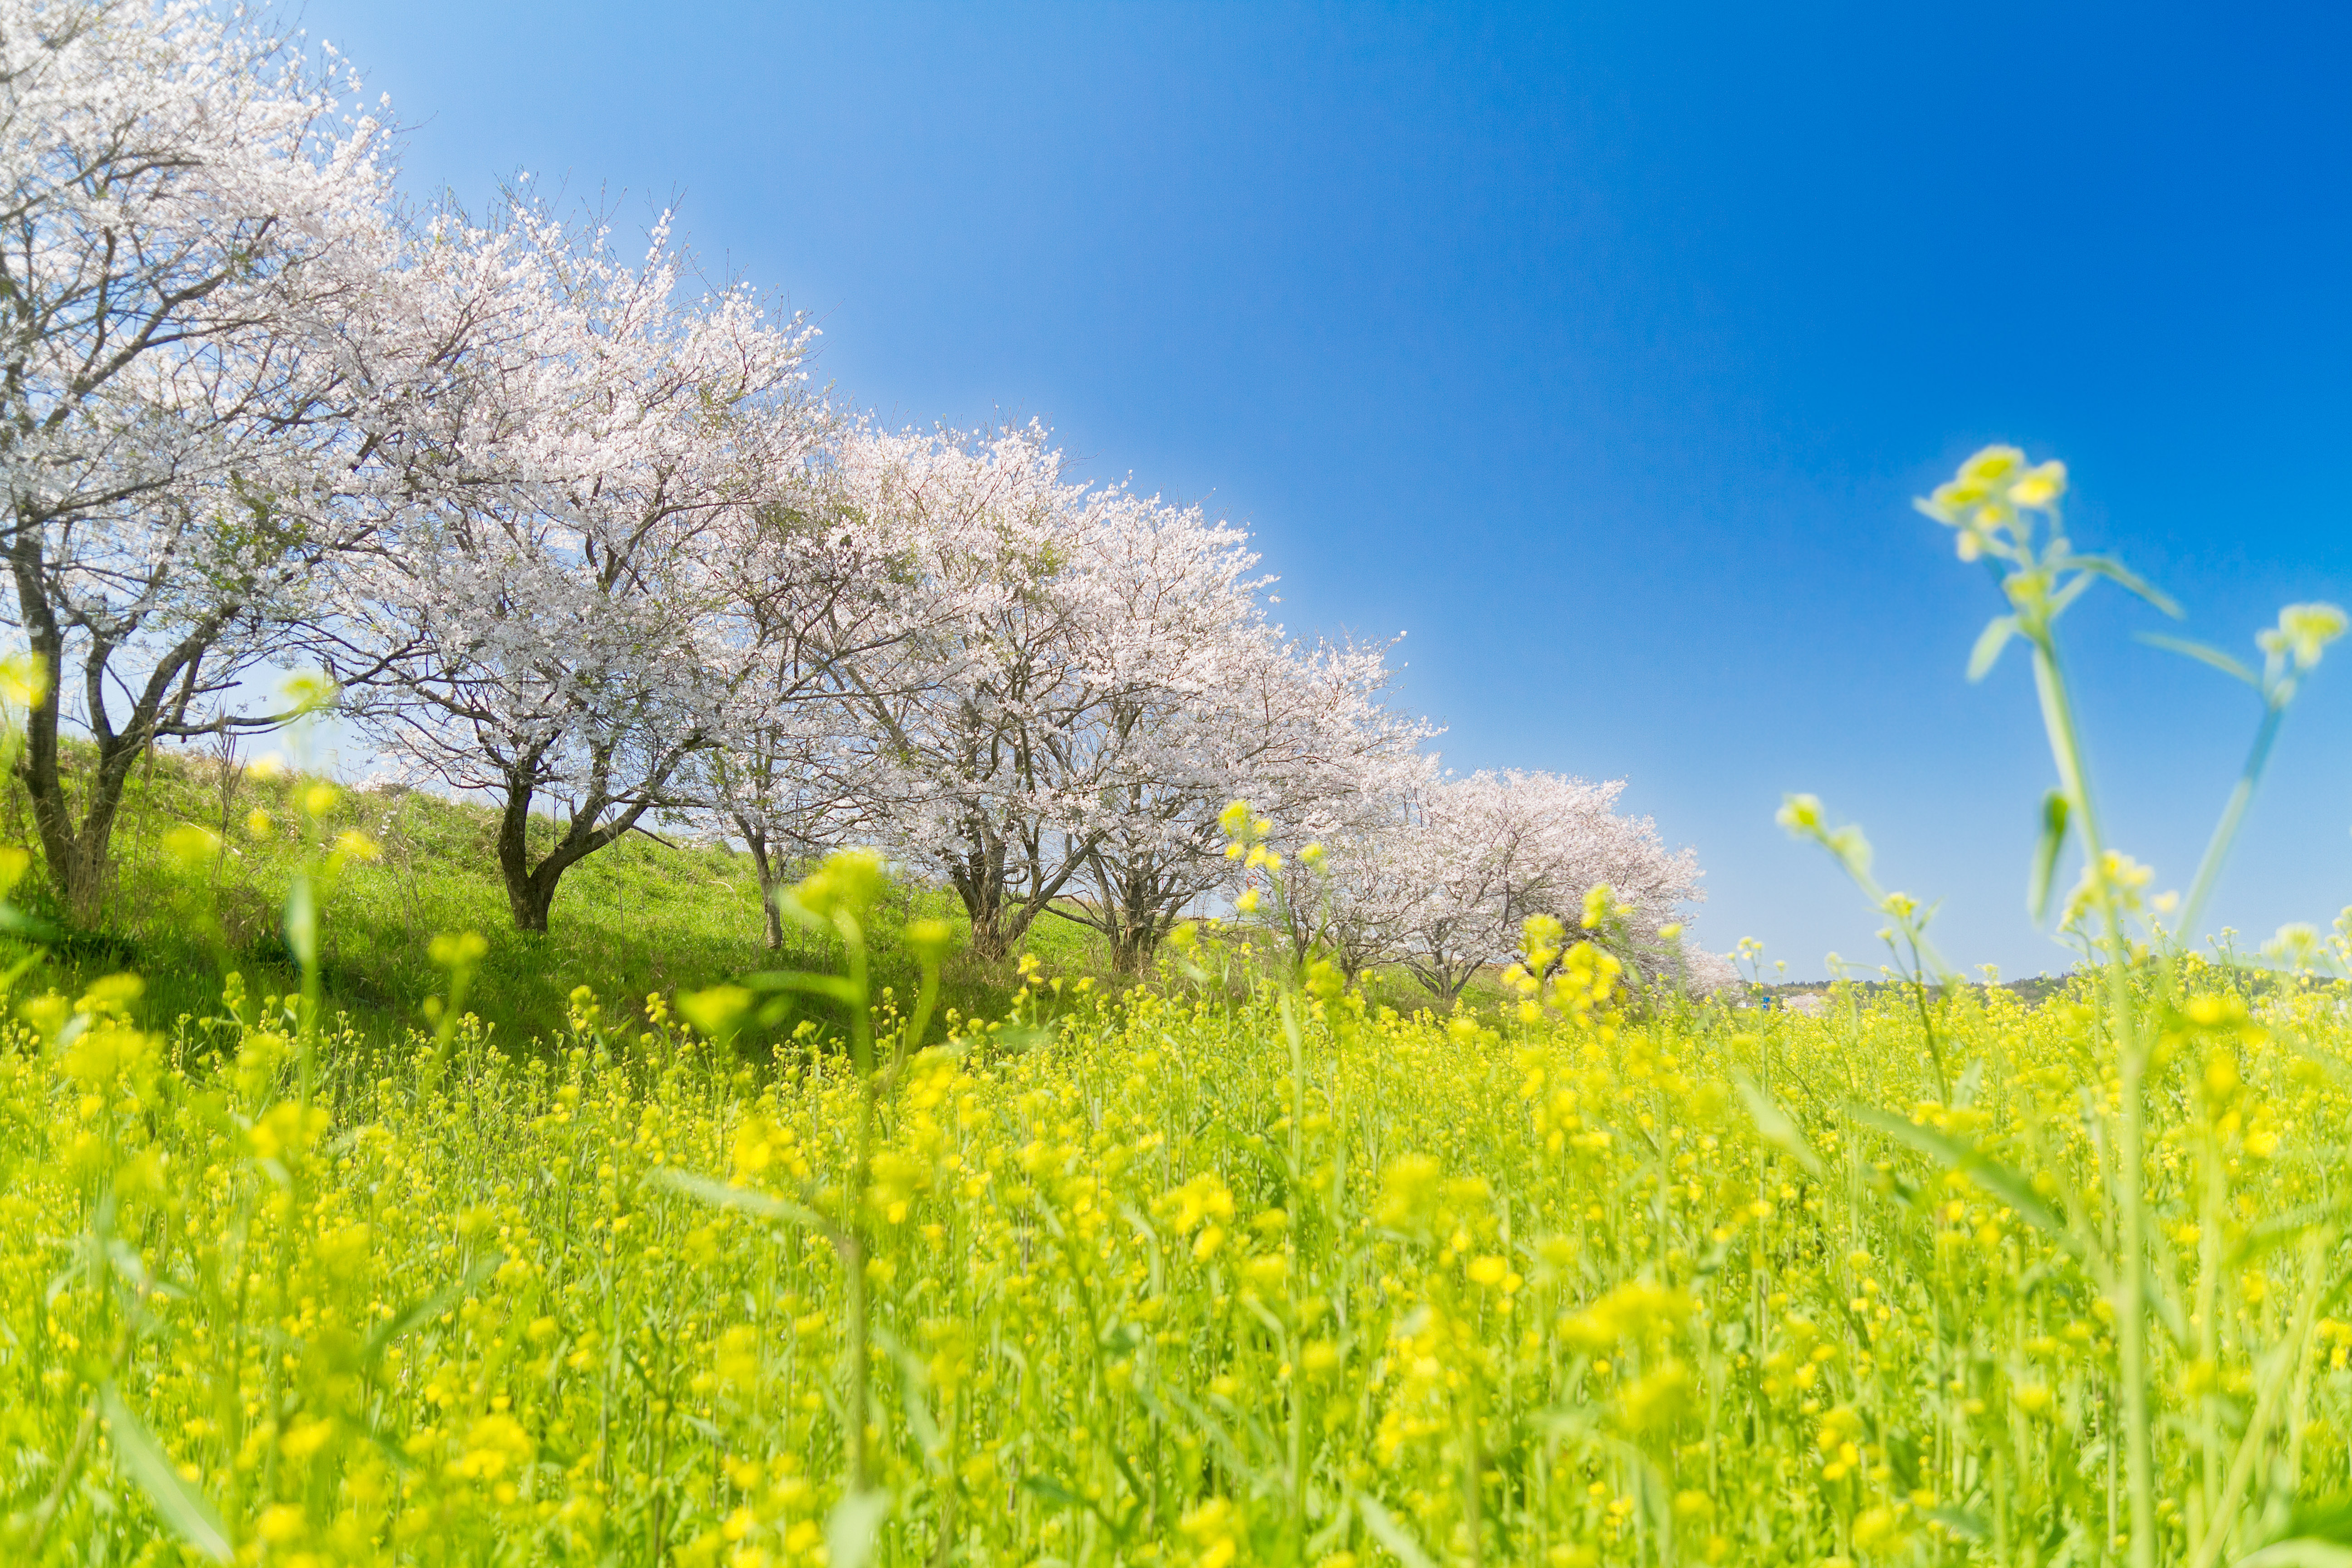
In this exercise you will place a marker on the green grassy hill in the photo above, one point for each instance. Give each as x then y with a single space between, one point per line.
645 915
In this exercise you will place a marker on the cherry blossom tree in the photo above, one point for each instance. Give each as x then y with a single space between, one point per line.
1226 710
1060 620
576 539
1446 884
820 578
1703 973
1344 885
194 246
1501 847
1303 734
558 618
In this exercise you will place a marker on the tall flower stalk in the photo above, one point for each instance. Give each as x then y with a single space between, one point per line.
2007 513
837 899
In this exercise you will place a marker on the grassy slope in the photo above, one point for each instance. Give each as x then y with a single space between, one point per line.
639 917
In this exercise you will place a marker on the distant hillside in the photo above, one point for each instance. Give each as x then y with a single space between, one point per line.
2034 988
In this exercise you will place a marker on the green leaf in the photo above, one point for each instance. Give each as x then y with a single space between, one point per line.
2301 1553
912 1377
187 1510
1014 1041
2038 885
743 1200
1392 1535
418 1313
856 1524
2203 655
1961 1522
2277 1231
833 985
1994 638
302 924
2004 1182
14 922
1774 1125
2324 1518
1233 1456
2131 581
1059 1493
2076 586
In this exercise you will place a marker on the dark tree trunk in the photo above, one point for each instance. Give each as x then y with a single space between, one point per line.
1130 950
991 942
1135 922
529 898
80 854
979 874
771 881
530 889
79 857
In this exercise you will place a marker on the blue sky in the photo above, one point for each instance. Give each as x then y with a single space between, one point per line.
1600 349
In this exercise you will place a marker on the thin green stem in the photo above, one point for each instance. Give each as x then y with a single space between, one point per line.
2233 811
2131 1327
1290 1028
67 1472
861 1035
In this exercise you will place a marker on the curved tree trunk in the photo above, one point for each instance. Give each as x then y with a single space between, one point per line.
530 889
79 852
78 847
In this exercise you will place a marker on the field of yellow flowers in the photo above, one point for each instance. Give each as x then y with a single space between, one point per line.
1180 1279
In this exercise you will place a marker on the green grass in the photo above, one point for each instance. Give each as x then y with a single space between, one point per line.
642 916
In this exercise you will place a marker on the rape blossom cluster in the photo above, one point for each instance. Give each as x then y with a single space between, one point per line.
1577 1288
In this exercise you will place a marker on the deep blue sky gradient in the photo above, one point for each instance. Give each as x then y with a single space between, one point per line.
1601 349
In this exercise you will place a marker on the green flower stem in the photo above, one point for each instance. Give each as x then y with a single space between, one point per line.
853 1246
2131 1328
2225 831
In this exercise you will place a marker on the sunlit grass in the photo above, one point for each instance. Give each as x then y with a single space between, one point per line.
649 914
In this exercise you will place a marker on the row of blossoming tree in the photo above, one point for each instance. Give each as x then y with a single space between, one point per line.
571 532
